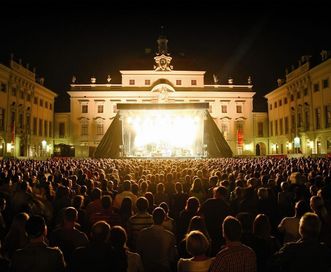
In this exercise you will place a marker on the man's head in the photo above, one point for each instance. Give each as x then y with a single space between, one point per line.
220 192
36 227
158 216
142 204
70 214
231 229
309 226
100 231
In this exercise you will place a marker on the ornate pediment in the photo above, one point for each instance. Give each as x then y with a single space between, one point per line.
163 63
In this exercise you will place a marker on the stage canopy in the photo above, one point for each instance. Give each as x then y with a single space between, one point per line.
161 131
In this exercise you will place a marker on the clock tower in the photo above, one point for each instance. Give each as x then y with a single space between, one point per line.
162 58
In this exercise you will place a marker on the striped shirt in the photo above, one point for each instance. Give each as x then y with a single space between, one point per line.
136 223
235 257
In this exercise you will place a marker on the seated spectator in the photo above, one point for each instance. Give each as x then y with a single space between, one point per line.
16 237
307 254
66 236
234 256
289 226
37 256
98 255
197 246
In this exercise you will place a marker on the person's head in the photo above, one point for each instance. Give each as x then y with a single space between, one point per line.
100 231
36 227
179 187
158 216
192 204
118 237
142 204
70 215
19 221
261 226
220 192
197 243
309 226
231 229
198 223
106 202
316 204
160 188
96 194
301 207
126 206
246 220
165 207
78 201
127 185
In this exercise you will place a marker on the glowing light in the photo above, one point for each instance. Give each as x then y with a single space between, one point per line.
296 142
43 143
9 147
310 144
166 131
248 147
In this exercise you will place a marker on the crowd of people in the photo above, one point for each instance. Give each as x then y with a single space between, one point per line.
192 215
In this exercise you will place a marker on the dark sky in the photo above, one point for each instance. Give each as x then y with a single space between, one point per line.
95 38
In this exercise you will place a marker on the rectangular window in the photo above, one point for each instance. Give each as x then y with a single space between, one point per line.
100 108
276 127
84 108
318 118
28 123
224 109
280 102
62 131
307 120
84 131
131 82
281 130
316 87
270 107
20 120
193 82
147 82
13 91
100 129
260 129
271 129
325 83
46 104
2 119
22 94
3 87
239 109
292 97
275 105
28 97
178 82
298 95
50 129
34 128
327 116
41 103
305 91
286 124
45 128
50 106
285 100
40 127
35 100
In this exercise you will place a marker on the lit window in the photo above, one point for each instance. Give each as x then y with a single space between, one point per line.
84 108
100 108
239 109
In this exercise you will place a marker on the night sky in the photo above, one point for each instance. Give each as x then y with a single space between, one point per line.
97 39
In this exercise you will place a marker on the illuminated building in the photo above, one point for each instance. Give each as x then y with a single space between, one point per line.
26 113
93 106
299 110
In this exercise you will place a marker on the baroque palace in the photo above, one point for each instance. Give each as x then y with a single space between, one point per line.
298 120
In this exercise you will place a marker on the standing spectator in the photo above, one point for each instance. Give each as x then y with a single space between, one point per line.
118 239
234 257
125 211
215 219
37 256
125 193
197 246
168 223
157 246
178 201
